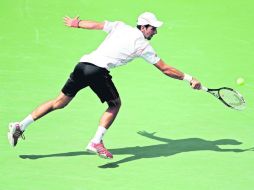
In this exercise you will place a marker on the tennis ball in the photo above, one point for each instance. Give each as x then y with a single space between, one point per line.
240 81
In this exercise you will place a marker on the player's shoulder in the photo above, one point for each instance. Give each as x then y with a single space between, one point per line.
133 31
123 25
115 23
125 28
112 25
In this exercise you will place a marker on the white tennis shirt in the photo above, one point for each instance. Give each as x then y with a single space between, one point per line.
122 44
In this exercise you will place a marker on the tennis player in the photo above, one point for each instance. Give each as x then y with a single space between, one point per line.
122 44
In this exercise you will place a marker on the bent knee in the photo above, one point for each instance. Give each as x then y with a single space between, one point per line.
61 101
58 105
115 103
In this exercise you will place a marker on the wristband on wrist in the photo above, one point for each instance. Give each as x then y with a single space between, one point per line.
75 23
187 77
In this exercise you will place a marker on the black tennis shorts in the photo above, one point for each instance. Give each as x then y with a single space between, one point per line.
97 78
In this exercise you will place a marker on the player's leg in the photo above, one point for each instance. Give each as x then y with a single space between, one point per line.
110 114
107 119
70 89
16 129
105 89
58 103
96 144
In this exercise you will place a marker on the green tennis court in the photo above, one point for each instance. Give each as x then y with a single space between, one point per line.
166 136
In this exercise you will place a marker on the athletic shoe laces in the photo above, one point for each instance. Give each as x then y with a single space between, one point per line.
18 133
100 148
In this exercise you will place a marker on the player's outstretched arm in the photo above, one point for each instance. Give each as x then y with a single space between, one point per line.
86 24
176 74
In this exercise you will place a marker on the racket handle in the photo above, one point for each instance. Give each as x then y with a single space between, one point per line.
204 88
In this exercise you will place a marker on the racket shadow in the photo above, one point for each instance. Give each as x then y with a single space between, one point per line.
166 147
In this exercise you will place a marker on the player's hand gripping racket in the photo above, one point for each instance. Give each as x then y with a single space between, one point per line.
228 96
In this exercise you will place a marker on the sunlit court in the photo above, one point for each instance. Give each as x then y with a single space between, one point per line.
178 116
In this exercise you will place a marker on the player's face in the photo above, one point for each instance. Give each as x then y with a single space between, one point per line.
149 32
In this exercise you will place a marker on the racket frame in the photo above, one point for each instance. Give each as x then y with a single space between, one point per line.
217 94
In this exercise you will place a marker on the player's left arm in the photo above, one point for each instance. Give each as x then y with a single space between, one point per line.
85 24
176 74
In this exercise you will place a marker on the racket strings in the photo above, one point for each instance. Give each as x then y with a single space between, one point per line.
232 98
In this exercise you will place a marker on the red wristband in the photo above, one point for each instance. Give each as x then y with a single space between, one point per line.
75 23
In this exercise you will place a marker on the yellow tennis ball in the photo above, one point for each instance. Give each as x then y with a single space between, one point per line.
240 81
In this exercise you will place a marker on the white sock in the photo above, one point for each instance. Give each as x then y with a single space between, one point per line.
99 134
27 121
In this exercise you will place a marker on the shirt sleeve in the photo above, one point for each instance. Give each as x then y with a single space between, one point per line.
149 55
109 26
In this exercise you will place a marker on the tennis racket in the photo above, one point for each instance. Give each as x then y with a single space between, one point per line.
228 96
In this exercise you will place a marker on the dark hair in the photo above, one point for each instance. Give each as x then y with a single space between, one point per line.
139 26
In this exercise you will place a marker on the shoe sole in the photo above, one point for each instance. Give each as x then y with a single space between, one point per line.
91 151
105 157
10 135
10 139
95 152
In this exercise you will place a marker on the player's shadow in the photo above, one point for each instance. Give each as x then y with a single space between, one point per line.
168 148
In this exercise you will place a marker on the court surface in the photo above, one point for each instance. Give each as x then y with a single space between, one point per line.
166 136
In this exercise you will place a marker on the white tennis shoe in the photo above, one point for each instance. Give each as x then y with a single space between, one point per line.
15 133
99 149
